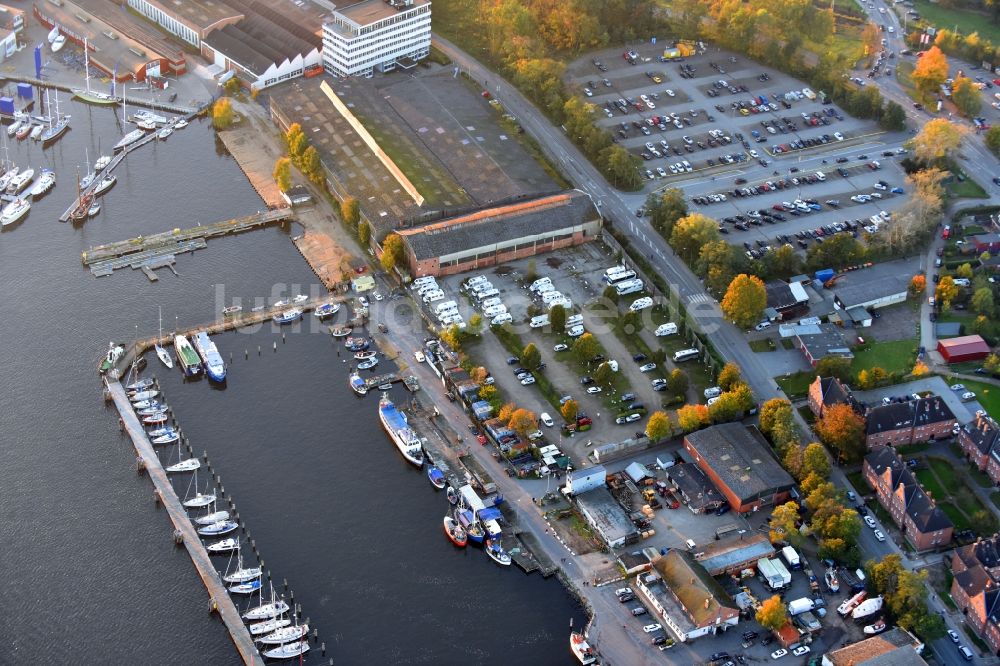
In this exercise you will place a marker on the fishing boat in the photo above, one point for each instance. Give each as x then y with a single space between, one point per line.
215 368
106 184
14 212
94 209
20 181
146 394
219 528
357 384
285 634
401 434
102 163
140 384
187 356
88 95
496 553
168 437
23 131
831 580
162 353
454 532
436 477
58 43
213 517
128 140
232 310
288 316
181 124
361 356
288 650
248 587
115 352
164 133
340 331
222 547
44 183
472 527
452 496
36 132
876 628
268 626
581 649
326 310
368 363
189 465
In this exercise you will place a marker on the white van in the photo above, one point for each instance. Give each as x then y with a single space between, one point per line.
502 318
641 304
614 270
629 287
447 305
546 419
613 364
686 355
550 296
666 329
490 302
433 296
544 288
447 314
540 282
575 331
539 321
495 311
820 176
573 320
489 293
421 281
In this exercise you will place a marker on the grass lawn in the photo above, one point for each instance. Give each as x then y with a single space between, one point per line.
930 483
857 480
943 469
987 394
796 384
904 74
964 20
964 189
911 449
891 356
981 479
957 517
787 344
765 345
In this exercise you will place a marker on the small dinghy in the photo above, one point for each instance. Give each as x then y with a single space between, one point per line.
452 495
436 477
454 532
222 547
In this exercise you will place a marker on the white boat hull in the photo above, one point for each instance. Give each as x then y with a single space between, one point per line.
224 546
243 575
189 465
267 611
268 626
211 518
199 501
284 635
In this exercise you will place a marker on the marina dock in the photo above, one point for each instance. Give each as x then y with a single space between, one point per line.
221 600
139 251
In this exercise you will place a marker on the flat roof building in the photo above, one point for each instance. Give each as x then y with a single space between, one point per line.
965 348
504 233
734 554
873 287
695 488
376 35
189 20
607 517
738 461
816 342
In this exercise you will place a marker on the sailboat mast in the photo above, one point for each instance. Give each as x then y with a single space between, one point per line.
86 63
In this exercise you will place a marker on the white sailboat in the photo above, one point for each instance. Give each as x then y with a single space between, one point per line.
268 626
161 352
199 501
288 650
285 635
223 546
88 95
213 517
242 574
184 464
275 608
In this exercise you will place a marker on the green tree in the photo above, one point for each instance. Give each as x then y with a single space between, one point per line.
772 613
557 318
393 252
677 382
982 302
692 232
815 461
664 209
364 233
893 118
659 426
586 347
621 167
784 523
222 113
475 323
530 356
946 292
569 410
843 430
992 138
964 271
773 412
604 375
523 422
312 167
350 211
283 173
834 366
729 376
745 300
966 96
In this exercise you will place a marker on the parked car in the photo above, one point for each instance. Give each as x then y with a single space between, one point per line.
870 522
650 628
779 653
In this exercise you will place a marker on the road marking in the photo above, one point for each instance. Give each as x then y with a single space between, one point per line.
699 298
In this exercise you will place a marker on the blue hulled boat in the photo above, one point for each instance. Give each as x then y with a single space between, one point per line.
215 368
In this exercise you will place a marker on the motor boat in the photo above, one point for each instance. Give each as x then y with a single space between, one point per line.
455 533
436 477
326 310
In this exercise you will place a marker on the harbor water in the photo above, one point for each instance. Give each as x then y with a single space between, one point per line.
92 575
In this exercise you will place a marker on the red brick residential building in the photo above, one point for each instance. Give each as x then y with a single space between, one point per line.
923 524
901 423
975 587
980 442
738 461
828 391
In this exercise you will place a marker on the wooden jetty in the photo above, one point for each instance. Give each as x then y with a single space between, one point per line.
178 240
148 259
220 599
139 347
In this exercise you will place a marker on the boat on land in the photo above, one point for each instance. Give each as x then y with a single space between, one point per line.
188 465
581 649
402 435
219 528
53 33
496 553
44 183
288 650
454 532
831 581
326 310
222 547
58 43
867 608
285 634
436 477
268 626
115 352
215 367
340 331
187 356
876 628
358 385
288 316
14 212
128 140
106 184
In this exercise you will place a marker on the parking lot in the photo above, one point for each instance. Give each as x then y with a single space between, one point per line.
706 109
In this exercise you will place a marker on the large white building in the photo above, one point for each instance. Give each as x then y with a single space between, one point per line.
376 35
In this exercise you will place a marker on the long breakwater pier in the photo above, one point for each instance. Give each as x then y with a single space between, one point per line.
220 599
153 251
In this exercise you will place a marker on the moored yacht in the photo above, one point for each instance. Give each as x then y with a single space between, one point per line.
215 367
187 356
401 434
